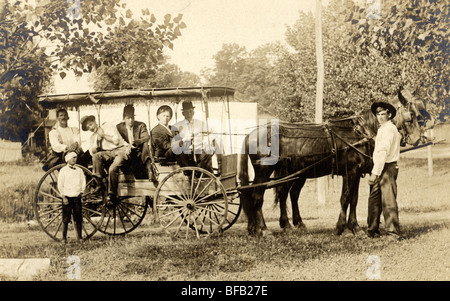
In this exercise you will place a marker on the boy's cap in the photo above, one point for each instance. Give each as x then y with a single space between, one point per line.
70 156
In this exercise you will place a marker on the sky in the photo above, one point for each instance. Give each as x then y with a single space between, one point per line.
210 24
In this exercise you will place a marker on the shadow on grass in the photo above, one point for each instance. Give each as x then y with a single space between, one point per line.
415 231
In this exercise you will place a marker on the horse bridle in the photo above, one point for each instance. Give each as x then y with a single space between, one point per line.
401 124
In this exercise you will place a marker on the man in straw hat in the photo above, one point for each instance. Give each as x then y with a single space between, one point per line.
107 150
71 185
383 190
137 137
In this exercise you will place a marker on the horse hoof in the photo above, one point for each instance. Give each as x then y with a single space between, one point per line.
347 233
300 226
266 233
285 225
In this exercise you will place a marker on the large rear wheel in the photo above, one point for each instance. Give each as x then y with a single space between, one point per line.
48 205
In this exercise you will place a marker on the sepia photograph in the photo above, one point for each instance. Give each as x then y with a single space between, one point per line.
215 148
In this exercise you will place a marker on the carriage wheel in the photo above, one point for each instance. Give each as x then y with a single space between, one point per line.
48 205
191 198
234 209
124 216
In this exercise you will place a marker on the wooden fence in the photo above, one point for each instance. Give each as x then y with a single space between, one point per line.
10 151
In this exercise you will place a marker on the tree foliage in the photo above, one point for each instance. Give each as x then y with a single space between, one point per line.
369 56
79 36
413 36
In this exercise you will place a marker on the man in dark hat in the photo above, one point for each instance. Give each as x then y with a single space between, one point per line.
162 135
192 145
136 135
383 190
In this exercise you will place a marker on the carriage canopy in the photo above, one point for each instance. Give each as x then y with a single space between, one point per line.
132 95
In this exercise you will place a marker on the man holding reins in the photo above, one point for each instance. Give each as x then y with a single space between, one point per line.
383 190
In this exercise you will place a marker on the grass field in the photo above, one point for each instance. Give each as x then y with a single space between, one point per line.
312 254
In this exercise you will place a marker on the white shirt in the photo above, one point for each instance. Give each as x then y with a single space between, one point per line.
71 181
110 130
387 147
61 137
196 129
130 134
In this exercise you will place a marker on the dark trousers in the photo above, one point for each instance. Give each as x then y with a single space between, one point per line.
54 158
73 208
202 160
139 161
383 198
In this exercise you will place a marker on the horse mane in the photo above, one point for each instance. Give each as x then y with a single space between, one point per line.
368 123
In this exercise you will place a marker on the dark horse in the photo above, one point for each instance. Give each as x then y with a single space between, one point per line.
295 152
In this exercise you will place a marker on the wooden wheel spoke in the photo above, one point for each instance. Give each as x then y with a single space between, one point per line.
173 199
50 196
92 210
44 213
53 219
175 218
203 221
171 212
204 188
120 213
127 215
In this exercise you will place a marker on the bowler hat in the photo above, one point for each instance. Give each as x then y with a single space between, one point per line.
84 121
164 108
128 110
383 105
187 105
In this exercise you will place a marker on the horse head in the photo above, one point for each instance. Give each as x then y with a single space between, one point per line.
411 118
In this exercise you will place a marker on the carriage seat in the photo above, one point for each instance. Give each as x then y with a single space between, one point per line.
165 162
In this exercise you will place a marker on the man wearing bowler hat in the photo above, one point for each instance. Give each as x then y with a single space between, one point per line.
383 190
136 135
191 145
162 135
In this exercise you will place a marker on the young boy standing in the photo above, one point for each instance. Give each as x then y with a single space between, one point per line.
71 184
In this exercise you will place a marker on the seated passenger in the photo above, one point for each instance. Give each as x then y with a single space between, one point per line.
194 145
64 139
136 135
108 151
162 135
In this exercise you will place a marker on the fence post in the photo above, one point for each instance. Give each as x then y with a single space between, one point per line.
429 153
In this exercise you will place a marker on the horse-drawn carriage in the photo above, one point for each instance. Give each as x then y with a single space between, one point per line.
187 200
192 200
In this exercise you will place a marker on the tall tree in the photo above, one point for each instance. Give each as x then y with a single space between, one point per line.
413 37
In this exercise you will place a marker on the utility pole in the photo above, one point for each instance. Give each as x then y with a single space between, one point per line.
321 187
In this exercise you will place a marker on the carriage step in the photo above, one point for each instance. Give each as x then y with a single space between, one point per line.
136 188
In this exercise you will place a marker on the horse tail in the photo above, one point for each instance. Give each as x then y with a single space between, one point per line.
280 172
243 173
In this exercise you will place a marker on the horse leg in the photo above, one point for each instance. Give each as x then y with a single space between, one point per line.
352 223
252 202
295 194
340 226
281 196
250 206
